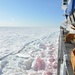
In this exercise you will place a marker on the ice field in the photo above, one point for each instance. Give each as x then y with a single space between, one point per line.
28 51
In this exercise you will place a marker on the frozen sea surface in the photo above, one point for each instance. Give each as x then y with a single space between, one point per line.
22 50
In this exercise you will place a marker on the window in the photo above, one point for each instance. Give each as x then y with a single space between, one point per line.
65 0
64 3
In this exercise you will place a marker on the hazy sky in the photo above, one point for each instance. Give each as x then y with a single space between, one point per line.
31 13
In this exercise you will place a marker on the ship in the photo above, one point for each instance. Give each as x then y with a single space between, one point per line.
66 47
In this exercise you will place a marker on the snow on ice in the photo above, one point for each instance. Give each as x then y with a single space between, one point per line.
28 51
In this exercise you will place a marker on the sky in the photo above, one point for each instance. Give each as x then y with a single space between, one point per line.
31 13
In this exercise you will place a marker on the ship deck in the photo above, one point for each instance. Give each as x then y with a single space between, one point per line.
64 48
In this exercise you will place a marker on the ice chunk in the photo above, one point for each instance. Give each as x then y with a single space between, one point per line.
28 63
38 64
23 55
42 46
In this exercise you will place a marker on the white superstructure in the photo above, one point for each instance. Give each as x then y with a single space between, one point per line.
65 4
